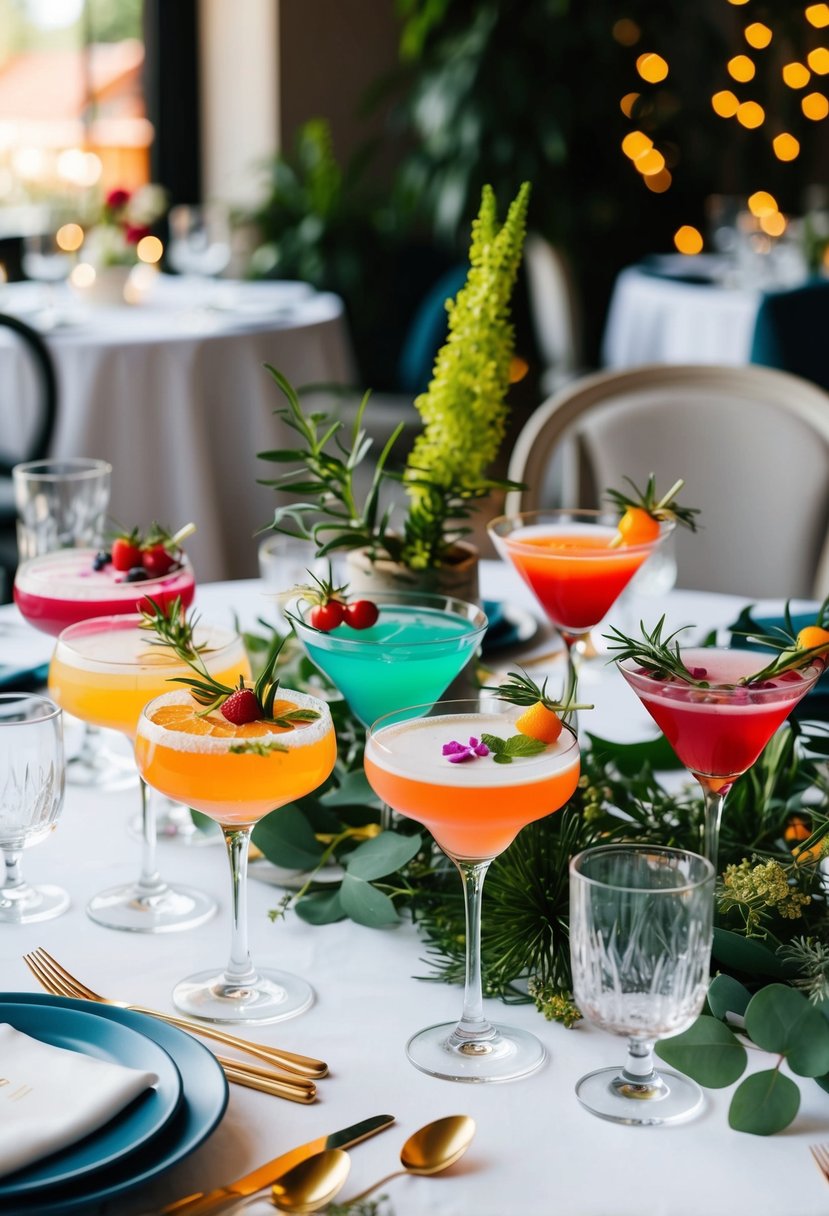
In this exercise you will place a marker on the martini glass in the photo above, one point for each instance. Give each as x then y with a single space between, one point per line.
236 775
567 560
719 731
104 671
474 810
417 647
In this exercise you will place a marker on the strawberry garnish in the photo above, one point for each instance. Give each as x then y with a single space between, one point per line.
126 550
242 706
161 552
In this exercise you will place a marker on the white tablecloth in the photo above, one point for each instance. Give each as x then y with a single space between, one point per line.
655 319
175 395
536 1150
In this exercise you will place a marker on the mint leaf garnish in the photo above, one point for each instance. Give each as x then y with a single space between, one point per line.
255 747
504 750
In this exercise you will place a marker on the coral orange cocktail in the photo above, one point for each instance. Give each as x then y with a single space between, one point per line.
438 765
236 761
104 671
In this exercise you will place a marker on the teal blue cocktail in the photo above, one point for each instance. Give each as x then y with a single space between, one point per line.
417 647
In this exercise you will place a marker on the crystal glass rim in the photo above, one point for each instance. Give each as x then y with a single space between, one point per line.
625 667
475 616
640 850
578 515
76 468
72 554
117 620
461 705
51 709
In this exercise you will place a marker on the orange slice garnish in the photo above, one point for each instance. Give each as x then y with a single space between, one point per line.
186 719
539 722
637 527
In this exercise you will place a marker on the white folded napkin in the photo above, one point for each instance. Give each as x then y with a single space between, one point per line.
51 1097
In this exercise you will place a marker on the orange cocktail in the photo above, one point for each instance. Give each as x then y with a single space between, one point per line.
104 671
437 765
237 772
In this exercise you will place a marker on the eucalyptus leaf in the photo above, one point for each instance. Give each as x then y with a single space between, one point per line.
631 758
204 823
764 1103
365 904
727 995
748 955
706 1051
287 839
383 855
320 908
353 790
780 1019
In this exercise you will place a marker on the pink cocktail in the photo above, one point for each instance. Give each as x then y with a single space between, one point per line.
719 724
62 588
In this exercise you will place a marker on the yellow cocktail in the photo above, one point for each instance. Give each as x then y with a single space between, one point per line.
104 671
442 771
236 773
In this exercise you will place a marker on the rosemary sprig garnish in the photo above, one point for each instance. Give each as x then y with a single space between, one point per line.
664 508
521 689
172 626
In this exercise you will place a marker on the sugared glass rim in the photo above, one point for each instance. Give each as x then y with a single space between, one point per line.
50 709
502 527
76 467
32 567
810 674
127 620
642 849
294 740
470 706
475 616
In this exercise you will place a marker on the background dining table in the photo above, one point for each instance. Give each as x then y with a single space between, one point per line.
173 391
536 1150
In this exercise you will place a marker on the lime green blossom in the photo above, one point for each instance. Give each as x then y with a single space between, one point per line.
755 888
555 1004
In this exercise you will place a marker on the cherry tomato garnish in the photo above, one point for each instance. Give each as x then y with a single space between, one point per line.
361 614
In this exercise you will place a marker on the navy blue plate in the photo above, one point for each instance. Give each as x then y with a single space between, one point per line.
507 626
205 1094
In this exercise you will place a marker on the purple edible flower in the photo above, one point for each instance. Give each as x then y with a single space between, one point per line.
457 753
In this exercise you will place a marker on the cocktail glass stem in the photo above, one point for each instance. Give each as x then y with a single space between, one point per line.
150 880
710 835
638 1078
240 972
473 1032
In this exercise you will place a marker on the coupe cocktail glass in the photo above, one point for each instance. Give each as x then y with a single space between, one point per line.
104 671
567 559
474 809
31 796
640 944
417 647
236 775
719 731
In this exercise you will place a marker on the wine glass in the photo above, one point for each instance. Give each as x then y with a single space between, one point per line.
31 797
199 244
641 928
45 260
236 775
474 809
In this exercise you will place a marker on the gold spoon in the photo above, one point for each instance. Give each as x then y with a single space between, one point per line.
310 1185
428 1151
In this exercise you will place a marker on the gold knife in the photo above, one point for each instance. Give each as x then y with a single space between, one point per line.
196 1205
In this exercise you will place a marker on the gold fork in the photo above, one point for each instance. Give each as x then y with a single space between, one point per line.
820 1152
57 980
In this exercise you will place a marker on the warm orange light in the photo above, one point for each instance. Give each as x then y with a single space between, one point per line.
773 225
796 75
762 203
815 106
649 163
658 183
786 147
626 32
518 369
628 102
725 103
652 68
688 239
741 68
83 275
735 2
757 35
750 114
818 60
69 237
149 249
818 15
636 143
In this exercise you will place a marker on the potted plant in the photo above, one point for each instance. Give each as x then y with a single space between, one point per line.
464 412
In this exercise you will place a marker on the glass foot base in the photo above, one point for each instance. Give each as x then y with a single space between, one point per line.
30 904
135 910
509 1054
675 1099
272 996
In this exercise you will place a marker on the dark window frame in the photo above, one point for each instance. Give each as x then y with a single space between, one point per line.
171 86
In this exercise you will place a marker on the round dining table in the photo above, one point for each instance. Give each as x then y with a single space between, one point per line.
173 391
536 1150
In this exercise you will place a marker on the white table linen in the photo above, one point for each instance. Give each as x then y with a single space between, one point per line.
536 1150
652 319
174 393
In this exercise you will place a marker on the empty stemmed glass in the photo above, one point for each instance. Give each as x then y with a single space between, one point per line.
641 928
31 797
199 245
